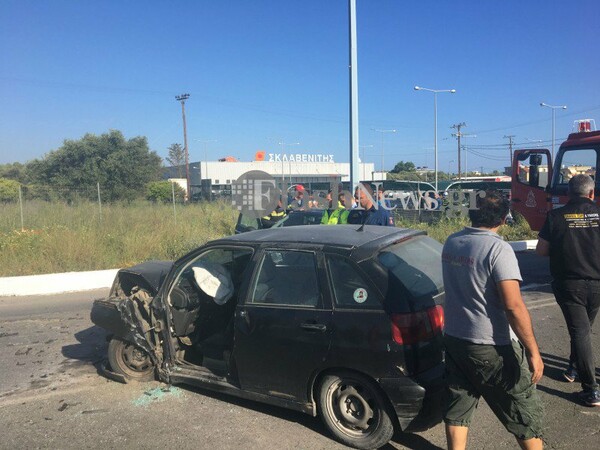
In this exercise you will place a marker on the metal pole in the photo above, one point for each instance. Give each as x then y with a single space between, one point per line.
381 153
363 165
354 144
99 201
21 206
553 107
510 148
182 98
173 194
187 157
208 183
283 190
435 149
553 121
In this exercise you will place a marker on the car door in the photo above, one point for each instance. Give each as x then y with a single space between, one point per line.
283 329
532 173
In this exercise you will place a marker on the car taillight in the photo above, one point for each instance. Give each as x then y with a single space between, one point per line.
418 326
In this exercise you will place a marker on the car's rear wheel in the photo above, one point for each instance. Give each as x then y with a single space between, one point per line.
130 360
354 410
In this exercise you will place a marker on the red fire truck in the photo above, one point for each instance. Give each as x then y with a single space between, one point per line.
540 184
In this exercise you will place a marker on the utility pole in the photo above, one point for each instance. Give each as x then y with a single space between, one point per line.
182 98
510 147
458 126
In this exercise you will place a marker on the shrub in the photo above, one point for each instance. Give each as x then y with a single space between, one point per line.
9 190
162 191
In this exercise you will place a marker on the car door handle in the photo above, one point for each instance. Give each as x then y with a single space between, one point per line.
313 327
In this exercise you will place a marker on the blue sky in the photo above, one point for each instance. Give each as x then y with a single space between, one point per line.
265 71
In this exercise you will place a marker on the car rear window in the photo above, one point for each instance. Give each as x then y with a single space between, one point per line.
303 218
416 265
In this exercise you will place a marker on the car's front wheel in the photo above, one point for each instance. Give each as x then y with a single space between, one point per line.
130 360
354 410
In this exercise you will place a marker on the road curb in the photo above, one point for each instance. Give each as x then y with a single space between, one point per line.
56 283
521 246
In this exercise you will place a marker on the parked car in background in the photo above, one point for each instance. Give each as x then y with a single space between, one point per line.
474 186
344 323
397 190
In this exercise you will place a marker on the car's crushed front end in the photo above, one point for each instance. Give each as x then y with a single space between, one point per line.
127 312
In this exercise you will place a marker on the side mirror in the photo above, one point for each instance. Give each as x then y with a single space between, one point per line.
535 160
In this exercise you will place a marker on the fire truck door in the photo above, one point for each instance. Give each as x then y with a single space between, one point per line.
531 175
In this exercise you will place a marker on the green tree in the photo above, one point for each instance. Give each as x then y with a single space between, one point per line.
13 171
176 158
9 190
162 191
402 166
122 167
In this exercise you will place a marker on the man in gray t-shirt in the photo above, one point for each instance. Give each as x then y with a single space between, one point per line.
483 307
474 261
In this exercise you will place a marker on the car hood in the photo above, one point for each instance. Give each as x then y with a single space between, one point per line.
152 273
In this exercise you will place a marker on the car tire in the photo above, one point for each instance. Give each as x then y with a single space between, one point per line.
355 411
130 360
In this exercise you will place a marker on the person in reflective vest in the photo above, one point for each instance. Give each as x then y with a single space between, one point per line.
338 215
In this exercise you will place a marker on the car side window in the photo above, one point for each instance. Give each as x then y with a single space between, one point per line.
287 278
350 288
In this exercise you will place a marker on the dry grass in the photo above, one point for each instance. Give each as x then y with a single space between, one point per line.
62 238
441 230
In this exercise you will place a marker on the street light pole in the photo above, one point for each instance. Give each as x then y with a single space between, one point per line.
182 98
363 160
435 156
382 152
283 144
554 108
206 141
464 147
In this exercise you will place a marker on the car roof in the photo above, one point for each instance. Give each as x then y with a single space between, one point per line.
491 184
308 212
360 243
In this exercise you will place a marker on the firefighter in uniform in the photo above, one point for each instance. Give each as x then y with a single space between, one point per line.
275 216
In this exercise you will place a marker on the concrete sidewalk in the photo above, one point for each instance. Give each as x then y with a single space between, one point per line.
57 283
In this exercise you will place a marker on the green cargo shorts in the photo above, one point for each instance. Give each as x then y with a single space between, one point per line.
499 374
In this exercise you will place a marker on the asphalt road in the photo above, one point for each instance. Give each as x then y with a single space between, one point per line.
51 395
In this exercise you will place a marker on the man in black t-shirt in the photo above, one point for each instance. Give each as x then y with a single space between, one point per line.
571 237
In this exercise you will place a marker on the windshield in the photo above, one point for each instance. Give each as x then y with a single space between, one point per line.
415 266
575 162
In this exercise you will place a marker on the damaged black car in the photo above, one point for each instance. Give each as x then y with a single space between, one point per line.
340 322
